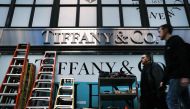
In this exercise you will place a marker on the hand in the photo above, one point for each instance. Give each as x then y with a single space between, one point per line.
161 84
184 81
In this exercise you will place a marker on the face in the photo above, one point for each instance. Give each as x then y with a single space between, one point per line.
162 33
144 59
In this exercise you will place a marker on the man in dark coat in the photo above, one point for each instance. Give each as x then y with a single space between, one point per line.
151 76
177 69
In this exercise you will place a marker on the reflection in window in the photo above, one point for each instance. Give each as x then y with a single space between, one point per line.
110 1
44 1
3 15
41 16
68 1
21 17
88 16
88 2
5 1
177 16
67 16
131 16
130 1
156 16
24 1
154 1
111 16
174 1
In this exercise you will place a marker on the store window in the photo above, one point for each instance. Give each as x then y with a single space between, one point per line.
110 1
3 15
174 1
88 16
156 13
44 1
68 1
67 16
24 1
131 13
111 16
42 17
130 1
21 17
88 2
154 2
177 16
5 1
156 16
131 16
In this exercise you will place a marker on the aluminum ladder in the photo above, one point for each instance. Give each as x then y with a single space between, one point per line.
42 91
11 87
65 94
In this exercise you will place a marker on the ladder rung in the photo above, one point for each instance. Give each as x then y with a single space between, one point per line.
46 72
21 50
43 80
16 66
11 84
14 75
37 107
7 105
64 106
46 89
8 94
66 87
19 58
47 65
40 98
67 96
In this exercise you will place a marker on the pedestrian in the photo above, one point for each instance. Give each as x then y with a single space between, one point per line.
151 75
177 73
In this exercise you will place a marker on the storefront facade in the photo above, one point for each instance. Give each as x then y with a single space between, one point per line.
89 35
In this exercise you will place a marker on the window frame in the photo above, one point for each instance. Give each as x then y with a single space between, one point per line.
56 6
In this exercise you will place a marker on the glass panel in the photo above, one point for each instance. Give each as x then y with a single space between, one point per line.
3 15
68 1
111 16
189 1
131 16
154 2
44 1
5 1
88 1
110 1
177 16
21 17
174 1
24 1
67 16
130 1
42 16
156 16
91 20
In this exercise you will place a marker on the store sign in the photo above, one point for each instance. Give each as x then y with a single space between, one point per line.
85 37
88 37
85 68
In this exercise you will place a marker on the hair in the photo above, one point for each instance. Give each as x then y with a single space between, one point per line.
149 56
168 27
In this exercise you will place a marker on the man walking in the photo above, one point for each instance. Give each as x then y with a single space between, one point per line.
151 76
177 70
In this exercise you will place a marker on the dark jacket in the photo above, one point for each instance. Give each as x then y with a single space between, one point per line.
176 59
151 76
